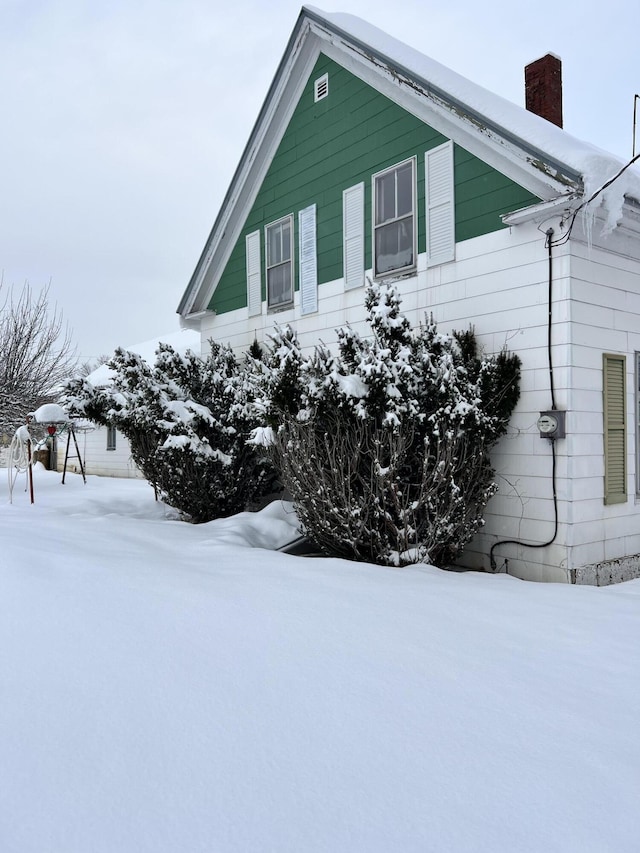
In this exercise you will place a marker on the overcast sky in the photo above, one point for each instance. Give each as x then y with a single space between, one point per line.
122 122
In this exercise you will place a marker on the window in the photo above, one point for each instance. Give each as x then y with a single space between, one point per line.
111 438
279 245
615 457
394 219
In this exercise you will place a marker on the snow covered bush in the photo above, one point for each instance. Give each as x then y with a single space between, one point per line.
187 420
384 447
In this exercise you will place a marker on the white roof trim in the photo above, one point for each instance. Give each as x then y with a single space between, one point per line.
544 210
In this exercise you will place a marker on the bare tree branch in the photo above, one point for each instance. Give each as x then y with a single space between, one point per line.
87 367
36 354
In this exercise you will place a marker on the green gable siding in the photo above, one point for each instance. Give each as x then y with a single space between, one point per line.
339 141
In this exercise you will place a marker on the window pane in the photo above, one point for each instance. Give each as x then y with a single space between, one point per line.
279 284
279 242
285 228
111 438
394 246
274 253
405 189
385 197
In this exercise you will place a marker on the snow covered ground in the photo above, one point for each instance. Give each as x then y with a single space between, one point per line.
168 688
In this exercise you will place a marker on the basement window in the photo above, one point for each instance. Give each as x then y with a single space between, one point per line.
321 88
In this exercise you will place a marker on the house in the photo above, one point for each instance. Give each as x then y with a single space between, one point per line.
104 450
368 159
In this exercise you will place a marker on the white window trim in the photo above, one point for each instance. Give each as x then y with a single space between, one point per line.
289 304
410 268
111 438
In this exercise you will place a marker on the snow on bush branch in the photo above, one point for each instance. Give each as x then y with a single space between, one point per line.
186 419
384 446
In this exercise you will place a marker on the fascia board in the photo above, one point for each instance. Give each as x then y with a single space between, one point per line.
564 207
192 321
560 206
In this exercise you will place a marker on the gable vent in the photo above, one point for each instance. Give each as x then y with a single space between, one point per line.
321 88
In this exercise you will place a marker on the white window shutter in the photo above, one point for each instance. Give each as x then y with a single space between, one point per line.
353 236
254 284
308 260
441 241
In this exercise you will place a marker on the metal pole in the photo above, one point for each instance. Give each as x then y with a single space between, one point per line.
75 441
66 456
30 471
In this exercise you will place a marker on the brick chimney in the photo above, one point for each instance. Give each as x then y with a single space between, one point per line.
543 88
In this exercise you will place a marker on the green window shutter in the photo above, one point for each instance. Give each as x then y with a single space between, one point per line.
353 236
308 260
441 241
254 285
615 456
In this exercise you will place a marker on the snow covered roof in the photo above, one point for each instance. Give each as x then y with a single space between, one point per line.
530 150
181 341
591 164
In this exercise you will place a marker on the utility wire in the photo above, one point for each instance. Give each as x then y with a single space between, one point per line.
550 243
565 237
492 562
492 559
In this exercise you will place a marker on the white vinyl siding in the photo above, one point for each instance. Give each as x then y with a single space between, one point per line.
441 241
353 236
308 260
394 220
279 262
615 457
254 283
637 424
